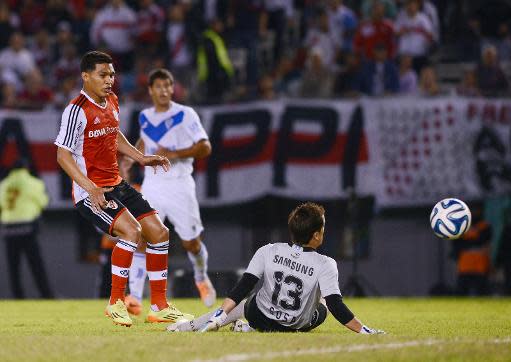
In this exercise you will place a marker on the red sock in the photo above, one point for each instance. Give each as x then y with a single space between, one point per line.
156 263
122 254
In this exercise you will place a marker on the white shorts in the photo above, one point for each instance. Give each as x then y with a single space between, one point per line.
176 199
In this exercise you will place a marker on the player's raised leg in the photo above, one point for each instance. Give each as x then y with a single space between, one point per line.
198 255
157 237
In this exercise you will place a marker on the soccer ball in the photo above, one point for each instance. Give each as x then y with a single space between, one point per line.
450 218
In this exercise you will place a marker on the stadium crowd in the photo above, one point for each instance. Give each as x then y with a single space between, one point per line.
235 50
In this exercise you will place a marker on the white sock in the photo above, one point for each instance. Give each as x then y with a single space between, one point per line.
237 313
199 322
138 274
200 263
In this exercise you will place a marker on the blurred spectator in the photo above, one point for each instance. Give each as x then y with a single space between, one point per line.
178 42
42 51
36 95
428 8
67 88
64 38
380 76
375 30
56 11
150 26
32 16
407 76
113 29
317 79
468 86
16 58
215 70
348 82
342 25
68 65
9 23
9 99
428 84
22 199
415 33
245 25
472 253
320 43
279 17
504 42
389 8
286 77
266 88
491 80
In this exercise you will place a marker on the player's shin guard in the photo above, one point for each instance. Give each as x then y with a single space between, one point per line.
122 255
138 274
157 261
200 263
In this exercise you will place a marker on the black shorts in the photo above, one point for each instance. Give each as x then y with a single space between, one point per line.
123 197
262 323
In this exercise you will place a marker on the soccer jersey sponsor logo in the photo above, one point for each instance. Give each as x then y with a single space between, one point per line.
102 131
293 265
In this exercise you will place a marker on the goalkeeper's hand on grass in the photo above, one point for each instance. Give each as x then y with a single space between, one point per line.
215 322
367 330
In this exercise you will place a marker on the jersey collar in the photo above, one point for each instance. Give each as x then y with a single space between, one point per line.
94 102
301 248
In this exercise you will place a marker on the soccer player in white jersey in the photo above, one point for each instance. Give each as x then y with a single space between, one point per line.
174 131
295 280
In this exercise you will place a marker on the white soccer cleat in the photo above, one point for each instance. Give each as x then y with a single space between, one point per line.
241 326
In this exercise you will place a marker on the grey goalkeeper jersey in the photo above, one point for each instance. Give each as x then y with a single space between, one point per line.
293 282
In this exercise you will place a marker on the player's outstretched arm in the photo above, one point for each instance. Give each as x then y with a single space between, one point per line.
344 315
97 194
198 150
131 151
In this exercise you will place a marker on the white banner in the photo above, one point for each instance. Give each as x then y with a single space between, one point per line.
404 151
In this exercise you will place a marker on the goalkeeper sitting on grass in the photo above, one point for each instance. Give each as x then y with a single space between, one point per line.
297 282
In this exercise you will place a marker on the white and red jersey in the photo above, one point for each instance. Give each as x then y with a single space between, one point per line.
418 34
89 131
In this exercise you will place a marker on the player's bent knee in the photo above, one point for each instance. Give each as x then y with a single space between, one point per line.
159 235
132 232
193 246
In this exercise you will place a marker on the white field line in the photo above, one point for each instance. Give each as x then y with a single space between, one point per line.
353 348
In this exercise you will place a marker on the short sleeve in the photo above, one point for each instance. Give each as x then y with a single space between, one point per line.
194 126
329 278
71 127
256 266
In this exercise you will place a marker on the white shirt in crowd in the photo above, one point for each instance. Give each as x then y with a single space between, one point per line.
115 27
323 45
418 34
20 62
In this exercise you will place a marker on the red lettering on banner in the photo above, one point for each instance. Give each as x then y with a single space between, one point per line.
489 113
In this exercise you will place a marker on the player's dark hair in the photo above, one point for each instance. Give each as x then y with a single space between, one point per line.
160 73
90 59
304 221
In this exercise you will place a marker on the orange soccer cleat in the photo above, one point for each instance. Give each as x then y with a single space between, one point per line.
207 292
133 305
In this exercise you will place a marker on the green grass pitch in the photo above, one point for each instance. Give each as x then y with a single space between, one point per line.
418 330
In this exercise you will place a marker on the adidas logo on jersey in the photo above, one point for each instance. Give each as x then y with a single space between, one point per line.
96 121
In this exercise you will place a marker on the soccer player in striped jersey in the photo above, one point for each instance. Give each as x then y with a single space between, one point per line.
88 142
174 131
297 282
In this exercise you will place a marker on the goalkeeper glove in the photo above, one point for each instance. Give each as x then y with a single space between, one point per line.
215 322
367 330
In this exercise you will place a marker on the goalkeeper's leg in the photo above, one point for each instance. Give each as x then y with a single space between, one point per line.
199 322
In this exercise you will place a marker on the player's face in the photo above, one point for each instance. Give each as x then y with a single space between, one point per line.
161 92
100 81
